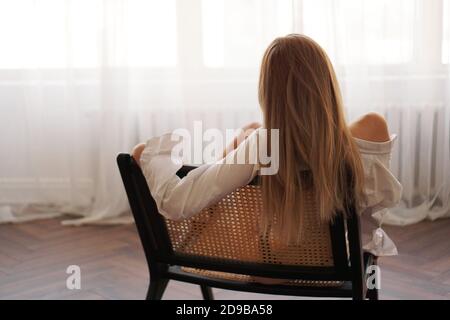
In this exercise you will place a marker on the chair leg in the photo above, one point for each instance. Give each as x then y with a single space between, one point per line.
207 292
358 296
357 290
372 294
156 289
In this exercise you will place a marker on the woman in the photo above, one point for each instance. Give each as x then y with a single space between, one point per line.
299 95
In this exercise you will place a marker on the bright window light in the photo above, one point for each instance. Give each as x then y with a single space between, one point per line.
237 31
87 33
446 33
213 23
152 33
377 32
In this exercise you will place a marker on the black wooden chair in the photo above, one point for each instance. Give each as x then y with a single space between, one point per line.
222 247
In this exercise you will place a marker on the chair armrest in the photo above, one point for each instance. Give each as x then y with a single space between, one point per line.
184 170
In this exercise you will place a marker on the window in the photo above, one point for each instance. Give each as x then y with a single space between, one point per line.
56 33
226 34
446 32
33 36
234 31
152 33
377 32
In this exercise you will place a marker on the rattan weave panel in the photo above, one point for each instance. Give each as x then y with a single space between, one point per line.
229 230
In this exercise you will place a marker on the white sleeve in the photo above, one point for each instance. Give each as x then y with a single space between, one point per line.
382 190
177 198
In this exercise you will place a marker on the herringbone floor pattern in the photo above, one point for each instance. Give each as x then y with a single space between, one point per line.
34 257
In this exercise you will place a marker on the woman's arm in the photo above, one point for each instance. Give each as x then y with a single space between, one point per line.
182 198
244 132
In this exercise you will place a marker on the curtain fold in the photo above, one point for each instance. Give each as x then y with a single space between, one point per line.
82 80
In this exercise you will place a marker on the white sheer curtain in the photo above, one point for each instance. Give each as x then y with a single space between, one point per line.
393 57
82 80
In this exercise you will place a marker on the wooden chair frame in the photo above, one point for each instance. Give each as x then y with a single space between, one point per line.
164 264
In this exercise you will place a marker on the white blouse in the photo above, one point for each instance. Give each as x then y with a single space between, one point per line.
181 198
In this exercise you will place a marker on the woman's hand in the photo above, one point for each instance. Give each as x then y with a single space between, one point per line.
244 132
251 126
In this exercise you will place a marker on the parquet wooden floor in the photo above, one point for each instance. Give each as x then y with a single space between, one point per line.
34 257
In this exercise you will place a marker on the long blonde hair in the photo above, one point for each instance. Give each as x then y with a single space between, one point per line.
299 95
